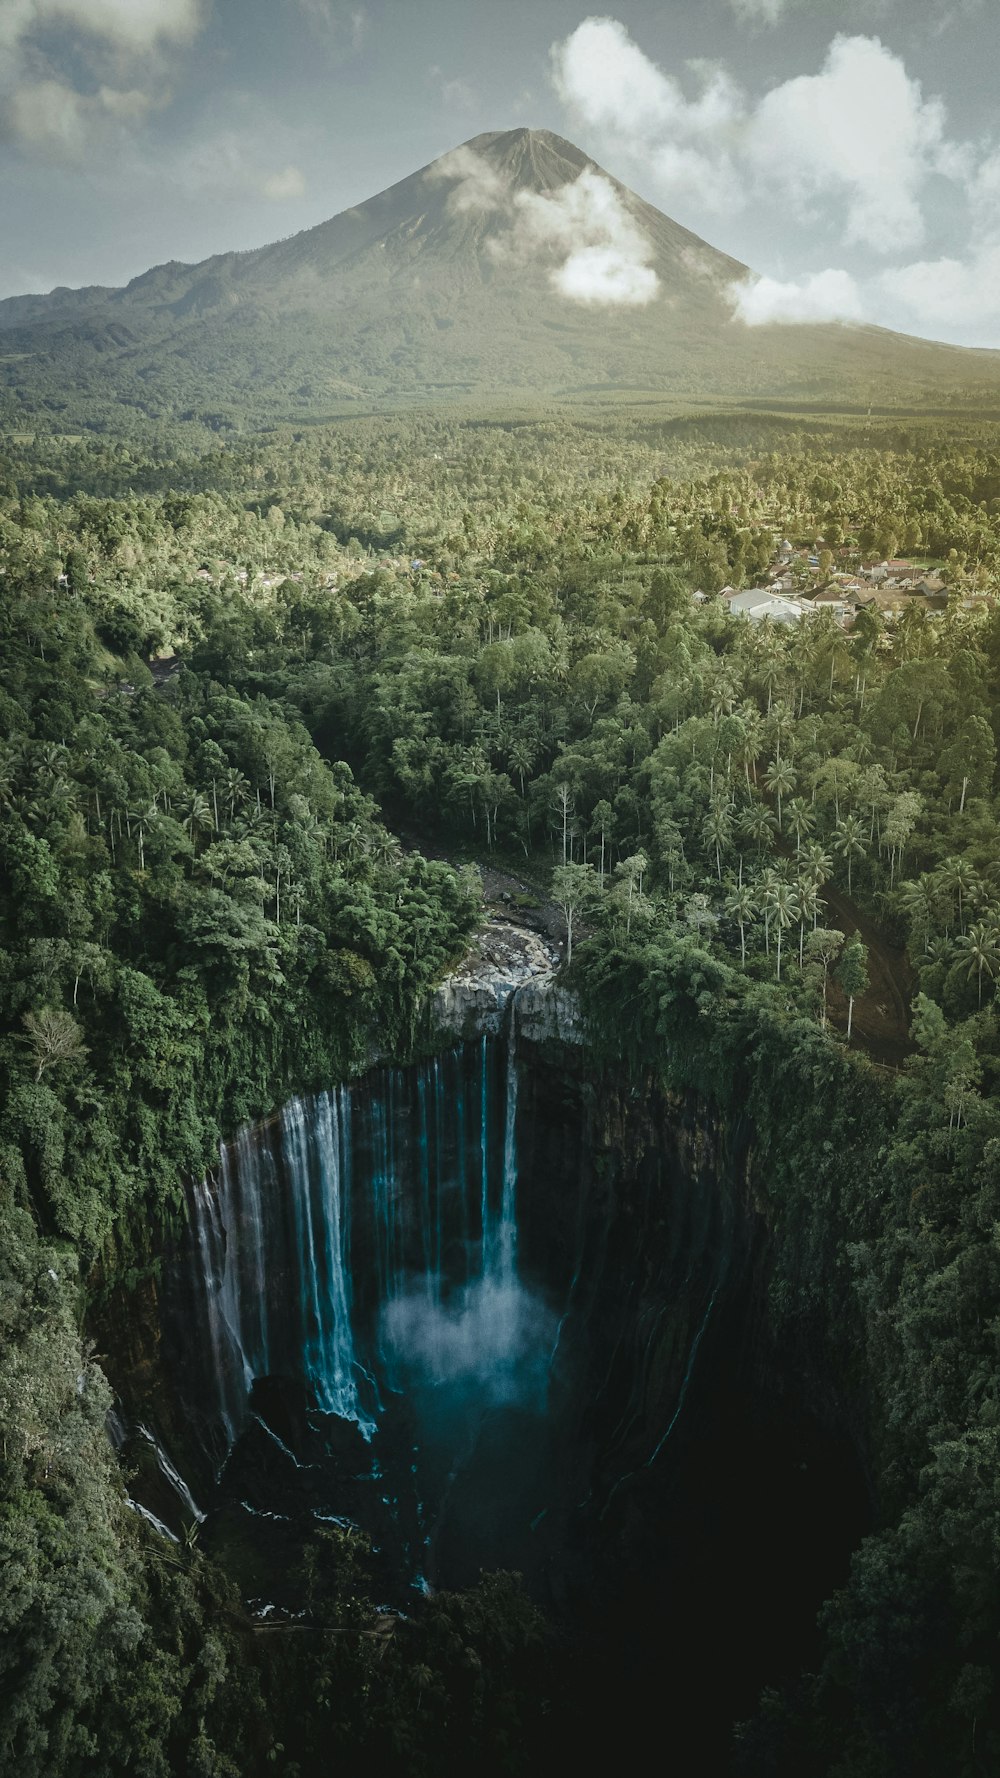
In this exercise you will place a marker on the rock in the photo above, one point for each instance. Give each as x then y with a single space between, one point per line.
506 960
548 1013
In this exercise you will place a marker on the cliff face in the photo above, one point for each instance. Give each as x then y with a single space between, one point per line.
559 1359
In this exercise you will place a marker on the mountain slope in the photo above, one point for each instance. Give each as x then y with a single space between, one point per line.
512 267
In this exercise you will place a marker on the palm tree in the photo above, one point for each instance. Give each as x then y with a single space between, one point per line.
770 675
839 658
816 863
765 886
717 829
723 695
60 798
780 780
741 907
139 823
802 657
780 726
808 907
780 904
849 841
941 951
754 742
961 879
981 944
759 823
801 820
521 756
197 813
918 901
52 761
237 789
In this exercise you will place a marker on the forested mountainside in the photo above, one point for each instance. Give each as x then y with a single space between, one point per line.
227 676
440 289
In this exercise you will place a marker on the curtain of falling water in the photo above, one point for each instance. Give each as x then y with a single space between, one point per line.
324 1227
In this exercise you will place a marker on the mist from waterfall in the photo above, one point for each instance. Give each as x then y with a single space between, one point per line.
489 1338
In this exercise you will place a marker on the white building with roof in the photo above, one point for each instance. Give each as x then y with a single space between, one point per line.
760 603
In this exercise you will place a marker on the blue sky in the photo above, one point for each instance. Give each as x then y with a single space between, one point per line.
849 153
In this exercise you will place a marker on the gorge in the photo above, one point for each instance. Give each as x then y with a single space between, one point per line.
506 1308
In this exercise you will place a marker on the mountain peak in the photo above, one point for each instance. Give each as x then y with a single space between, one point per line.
495 270
536 158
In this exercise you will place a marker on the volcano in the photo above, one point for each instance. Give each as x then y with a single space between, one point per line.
512 268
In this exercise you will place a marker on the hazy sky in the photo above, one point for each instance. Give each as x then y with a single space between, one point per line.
850 153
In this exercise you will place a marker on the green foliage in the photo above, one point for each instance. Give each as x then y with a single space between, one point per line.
212 663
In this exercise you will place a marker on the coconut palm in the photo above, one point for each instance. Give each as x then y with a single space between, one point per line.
981 945
816 863
759 823
139 823
717 830
753 744
741 906
849 841
236 788
962 880
52 761
723 696
197 813
779 902
808 908
801 820
919 900
780 781
521 756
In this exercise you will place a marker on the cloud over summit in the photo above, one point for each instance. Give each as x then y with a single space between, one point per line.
595 251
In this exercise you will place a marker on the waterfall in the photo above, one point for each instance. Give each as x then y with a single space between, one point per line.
508 1201
369 1264
317 1140
171 1475
363 1235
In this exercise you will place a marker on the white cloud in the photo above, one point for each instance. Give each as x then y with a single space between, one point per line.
476 185
57 122
606 277
819 296
604 255
48 116
855 143
860 131
42 111
607 80
595 251
280 187
134 25
946 295
613 88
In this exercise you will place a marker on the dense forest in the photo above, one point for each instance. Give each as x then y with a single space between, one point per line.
251 698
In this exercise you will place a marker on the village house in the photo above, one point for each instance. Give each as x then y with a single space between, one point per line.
831 598
758 603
